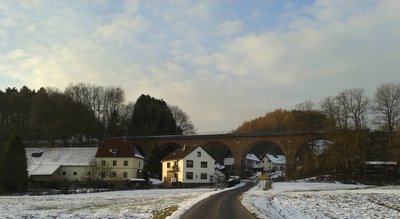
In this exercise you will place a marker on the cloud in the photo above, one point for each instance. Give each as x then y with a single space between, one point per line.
220 68
125 25
229 27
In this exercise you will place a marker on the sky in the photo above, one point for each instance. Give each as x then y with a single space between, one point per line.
222 62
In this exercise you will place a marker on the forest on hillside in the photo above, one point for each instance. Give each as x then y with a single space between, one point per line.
365 129
85 113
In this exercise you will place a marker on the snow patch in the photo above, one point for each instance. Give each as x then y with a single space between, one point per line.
322 200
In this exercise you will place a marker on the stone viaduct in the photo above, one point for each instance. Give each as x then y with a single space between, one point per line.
239 144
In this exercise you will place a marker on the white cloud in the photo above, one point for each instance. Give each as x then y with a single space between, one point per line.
229 27
125 25
208 64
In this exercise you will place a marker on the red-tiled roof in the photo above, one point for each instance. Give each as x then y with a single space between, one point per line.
180 153
118 147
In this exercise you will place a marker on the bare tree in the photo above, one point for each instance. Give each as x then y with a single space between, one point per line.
305 106
331 109
99 172
344 115
359 106
114 98
106 103
387 104
352 106
182 120
126 115
347 111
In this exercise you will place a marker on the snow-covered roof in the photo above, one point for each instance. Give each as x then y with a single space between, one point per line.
219 166
45 161
276 159
380 163
251 156
42 169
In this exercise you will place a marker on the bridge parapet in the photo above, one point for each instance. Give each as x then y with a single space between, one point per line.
239 143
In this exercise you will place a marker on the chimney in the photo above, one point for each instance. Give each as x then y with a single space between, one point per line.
184 147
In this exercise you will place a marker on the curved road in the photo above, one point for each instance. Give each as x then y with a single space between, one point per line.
222 205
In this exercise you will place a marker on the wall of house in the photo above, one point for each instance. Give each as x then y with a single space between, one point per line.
72 173
197 170
252 164
117 167
174 172
43 178
69 173
268 165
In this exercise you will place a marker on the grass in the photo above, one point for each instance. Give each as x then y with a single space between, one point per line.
162 214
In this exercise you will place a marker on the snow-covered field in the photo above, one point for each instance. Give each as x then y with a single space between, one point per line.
121 204
323 200
284 200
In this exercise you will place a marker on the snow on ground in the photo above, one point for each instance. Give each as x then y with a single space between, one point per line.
284 200
323 200
121 204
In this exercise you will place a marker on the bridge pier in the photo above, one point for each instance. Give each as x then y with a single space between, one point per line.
239 144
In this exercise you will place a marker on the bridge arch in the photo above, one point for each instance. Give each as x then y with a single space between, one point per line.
239 144
222 154
311 157
169 146
272 145
254 156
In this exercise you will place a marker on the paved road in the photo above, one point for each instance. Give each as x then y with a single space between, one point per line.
224 205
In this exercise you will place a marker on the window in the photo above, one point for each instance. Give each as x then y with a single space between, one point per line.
189 175
203 164
75 173
203 176
114 163
139 163
114 174
168 165
64 173
114 152
189 163
103 163
125 163
198 153
125 175
38 154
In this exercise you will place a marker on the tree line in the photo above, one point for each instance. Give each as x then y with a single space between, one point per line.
85 113
366 129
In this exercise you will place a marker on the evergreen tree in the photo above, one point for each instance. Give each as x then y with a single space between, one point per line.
152 117
13 166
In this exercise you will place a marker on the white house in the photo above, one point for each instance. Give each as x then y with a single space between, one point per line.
252 162
119 159
272 162
71 164
188 165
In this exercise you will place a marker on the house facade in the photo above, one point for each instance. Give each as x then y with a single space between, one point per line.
272 163
70 164
188 165
252 162
119 159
